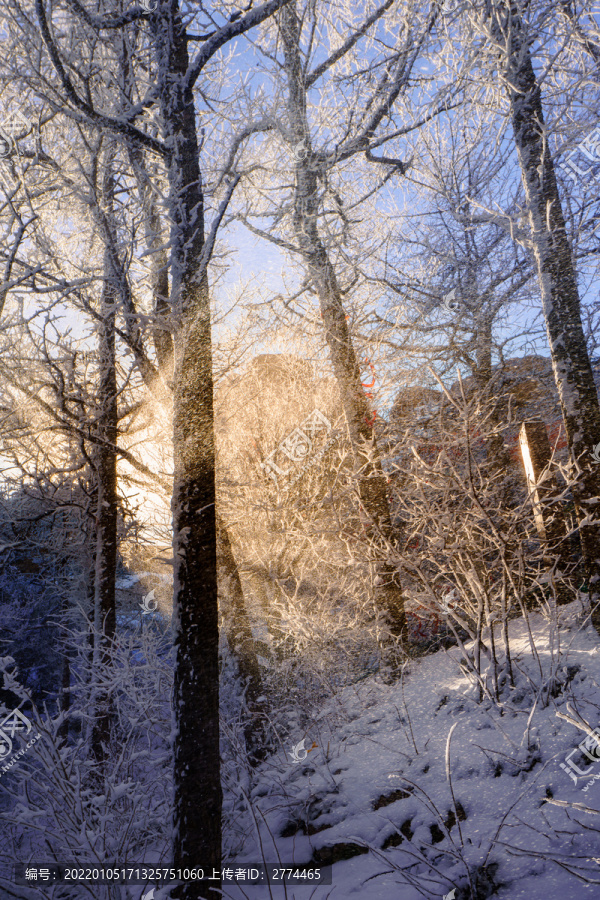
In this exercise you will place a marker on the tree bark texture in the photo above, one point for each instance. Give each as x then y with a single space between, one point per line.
197 774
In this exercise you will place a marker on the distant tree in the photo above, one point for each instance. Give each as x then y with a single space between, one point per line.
453 278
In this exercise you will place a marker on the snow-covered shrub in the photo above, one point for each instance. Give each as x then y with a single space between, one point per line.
58 804
42 572
469 551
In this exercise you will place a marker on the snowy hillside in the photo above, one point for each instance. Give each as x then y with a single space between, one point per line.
417 788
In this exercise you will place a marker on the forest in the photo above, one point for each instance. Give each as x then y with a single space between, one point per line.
299 449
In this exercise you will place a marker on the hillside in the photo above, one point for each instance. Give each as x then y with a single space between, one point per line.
374 797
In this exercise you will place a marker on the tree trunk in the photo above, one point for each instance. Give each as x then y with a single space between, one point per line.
106 468
372 484
236 618
560 296
241 641
159 263
197 773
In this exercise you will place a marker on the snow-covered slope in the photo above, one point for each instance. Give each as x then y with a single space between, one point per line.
418 787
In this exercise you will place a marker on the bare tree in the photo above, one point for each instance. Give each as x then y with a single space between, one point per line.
197 812
320 221
513 38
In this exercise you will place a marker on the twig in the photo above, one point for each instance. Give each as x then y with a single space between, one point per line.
449 777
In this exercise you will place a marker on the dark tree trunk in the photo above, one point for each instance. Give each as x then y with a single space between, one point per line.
241 641
372 484
197 781
198 795
106 470
558 287
236 618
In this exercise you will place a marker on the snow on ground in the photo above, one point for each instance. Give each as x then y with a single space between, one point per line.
377 782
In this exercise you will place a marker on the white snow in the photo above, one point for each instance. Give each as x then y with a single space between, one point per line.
504 765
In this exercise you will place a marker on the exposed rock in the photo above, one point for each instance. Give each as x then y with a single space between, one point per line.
327 856
387 799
